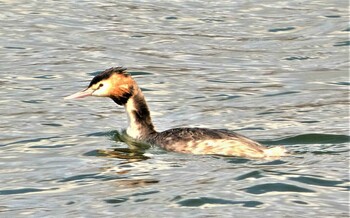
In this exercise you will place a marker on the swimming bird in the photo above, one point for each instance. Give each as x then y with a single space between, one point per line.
117 84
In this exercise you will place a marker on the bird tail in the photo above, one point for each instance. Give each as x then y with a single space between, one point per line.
278 151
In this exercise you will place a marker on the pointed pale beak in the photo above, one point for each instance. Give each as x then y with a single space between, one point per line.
81 94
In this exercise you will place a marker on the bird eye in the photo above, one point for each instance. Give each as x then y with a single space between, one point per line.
101 84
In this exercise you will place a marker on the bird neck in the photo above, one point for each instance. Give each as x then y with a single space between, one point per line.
139 117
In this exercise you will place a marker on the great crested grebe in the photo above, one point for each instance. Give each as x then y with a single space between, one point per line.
118 85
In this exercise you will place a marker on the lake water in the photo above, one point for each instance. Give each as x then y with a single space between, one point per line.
274 71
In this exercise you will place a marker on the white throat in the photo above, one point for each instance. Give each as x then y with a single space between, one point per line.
140 122
134 129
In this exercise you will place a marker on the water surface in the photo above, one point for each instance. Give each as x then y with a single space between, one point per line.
274 71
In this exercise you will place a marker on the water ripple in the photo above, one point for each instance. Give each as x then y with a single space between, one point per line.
313 138
317 181
24 191
210 202
88 177
276 188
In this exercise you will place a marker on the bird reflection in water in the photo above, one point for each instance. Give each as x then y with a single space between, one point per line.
134 152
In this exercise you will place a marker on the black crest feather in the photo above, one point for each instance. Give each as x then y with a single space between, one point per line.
107 73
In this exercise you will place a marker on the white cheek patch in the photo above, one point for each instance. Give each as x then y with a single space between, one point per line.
103 91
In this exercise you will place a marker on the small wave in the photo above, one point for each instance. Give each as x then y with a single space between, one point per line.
23 191
207 201
275 187
313 138
88 177
317 181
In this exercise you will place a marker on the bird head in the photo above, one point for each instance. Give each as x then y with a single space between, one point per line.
114 82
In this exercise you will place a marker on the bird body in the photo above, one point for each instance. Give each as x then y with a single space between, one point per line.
118 85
